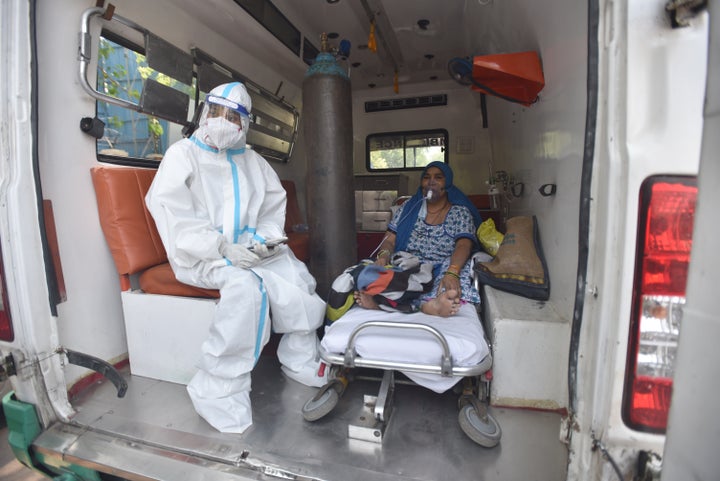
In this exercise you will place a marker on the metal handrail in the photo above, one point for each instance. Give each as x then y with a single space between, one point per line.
85 55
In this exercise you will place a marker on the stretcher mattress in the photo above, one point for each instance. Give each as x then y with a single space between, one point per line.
463 332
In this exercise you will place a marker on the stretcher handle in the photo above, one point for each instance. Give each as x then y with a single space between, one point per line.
446 366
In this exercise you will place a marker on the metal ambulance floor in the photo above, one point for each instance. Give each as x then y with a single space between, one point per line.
423 440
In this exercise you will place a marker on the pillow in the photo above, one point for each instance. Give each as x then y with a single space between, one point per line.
519 266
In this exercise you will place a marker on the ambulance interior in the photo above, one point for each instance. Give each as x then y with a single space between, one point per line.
517 158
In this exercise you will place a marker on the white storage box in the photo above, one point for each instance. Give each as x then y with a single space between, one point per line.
378 200
165 333
529 345
358 209
375 221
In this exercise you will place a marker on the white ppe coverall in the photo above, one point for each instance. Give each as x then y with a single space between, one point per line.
204 200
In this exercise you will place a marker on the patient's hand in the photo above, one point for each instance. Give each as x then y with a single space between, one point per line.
445 305
449 283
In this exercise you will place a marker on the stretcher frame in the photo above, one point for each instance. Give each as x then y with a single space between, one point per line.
370 424
445 368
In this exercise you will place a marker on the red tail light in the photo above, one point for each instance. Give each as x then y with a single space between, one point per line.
6 331
665 225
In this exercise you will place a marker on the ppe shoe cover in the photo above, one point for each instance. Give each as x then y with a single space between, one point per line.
223 403
308 374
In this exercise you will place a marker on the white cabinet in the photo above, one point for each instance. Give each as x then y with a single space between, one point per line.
374 195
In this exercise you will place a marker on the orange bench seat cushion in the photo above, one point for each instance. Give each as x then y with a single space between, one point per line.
161 279
133 239
299 244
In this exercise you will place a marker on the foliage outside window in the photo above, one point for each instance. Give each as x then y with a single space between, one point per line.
128 133
406 150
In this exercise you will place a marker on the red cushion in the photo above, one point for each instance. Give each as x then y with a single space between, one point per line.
128 227
292 211
133 238
161 280
299 243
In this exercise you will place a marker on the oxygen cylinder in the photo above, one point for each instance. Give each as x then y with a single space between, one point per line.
327 124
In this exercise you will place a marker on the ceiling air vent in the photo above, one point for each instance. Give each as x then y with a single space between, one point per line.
406 103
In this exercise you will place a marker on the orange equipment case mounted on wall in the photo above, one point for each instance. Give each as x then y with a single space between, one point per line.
517 77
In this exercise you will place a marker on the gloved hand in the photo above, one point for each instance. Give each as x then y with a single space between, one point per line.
405 260
239 256
263 250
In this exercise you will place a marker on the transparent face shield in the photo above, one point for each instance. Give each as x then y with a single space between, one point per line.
224 123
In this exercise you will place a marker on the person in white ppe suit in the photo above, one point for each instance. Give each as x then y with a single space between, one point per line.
219 209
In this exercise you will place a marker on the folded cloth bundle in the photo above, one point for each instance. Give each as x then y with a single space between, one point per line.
393 287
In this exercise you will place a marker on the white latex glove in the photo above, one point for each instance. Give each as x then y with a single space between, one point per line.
404 260
263 250
239 256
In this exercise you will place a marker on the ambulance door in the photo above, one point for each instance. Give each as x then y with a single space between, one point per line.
28 339
693 434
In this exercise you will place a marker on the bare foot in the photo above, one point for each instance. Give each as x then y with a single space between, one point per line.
445 305
365 300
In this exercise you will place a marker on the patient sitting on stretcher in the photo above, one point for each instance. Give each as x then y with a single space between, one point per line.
428 247
437 226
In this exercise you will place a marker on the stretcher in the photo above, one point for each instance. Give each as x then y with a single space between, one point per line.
434 352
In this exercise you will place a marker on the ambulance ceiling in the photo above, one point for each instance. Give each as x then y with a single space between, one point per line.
414 37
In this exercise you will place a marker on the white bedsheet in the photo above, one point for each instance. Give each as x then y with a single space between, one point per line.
463 333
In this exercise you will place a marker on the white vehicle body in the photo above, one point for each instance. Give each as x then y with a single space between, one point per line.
624 99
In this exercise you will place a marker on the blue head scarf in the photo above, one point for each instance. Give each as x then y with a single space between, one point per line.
412 206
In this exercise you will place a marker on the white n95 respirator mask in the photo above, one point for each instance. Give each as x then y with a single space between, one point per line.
223 134
224 122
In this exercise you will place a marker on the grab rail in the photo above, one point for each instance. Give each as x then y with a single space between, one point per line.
85 55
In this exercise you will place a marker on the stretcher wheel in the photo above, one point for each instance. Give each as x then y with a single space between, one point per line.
486 432
321 405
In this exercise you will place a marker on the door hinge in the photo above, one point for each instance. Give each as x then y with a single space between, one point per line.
681 11
7 367
649 466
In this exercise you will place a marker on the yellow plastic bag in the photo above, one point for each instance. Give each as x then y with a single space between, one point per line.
489 237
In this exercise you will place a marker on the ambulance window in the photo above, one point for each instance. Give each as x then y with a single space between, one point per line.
405 150
130 136
155 92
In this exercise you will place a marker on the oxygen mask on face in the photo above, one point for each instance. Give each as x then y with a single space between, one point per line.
433 192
